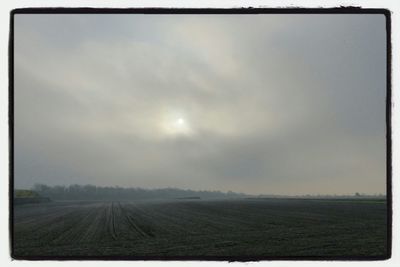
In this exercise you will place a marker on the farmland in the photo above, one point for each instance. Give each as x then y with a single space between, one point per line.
196 228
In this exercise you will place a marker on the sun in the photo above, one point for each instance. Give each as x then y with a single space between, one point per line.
176 124
180 121
179 126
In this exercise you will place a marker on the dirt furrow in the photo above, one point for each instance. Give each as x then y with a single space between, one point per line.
112 221
75 229
133 225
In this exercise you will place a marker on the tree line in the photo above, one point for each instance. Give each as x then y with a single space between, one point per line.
92 192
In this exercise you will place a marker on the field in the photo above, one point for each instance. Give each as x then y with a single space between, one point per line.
246 228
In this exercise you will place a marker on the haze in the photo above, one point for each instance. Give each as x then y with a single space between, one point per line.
259 104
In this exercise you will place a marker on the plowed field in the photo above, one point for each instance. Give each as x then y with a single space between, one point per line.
195 228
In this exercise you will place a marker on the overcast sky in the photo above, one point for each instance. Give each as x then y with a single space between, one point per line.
262 104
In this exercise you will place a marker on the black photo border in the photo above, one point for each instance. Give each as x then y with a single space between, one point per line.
177 11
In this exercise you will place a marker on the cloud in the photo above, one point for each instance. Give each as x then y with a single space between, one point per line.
283 104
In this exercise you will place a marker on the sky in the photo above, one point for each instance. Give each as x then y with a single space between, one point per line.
259 104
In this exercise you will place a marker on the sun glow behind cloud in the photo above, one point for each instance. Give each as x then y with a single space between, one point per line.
175 124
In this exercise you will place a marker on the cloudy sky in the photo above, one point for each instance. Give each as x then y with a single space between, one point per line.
262 104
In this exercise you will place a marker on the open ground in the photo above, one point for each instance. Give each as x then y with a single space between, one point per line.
196 228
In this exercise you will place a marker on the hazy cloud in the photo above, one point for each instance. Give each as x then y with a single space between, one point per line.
285 104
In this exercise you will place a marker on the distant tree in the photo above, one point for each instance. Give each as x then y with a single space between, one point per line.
91 192
42 189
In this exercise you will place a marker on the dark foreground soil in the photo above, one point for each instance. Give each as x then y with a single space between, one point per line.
202 228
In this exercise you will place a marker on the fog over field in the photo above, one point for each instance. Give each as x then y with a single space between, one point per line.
259 104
